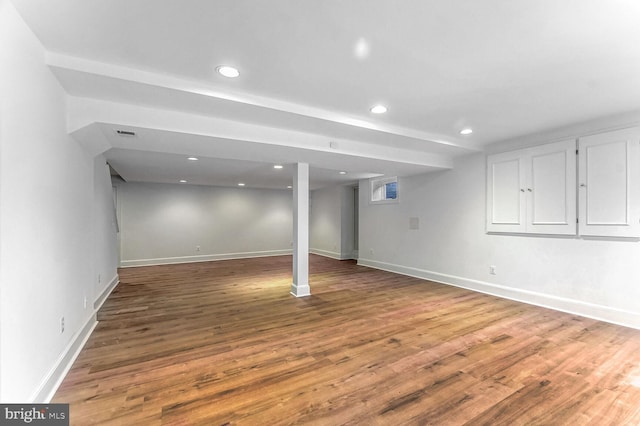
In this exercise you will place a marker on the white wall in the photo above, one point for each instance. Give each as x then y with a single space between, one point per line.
105 233
325 222
331 229
50 236
347 213
597 278
4 35
164 223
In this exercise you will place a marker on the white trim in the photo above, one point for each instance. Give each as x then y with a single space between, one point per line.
380 182
300 290
97 304
389 201
576 307
331 254
202 258
56 375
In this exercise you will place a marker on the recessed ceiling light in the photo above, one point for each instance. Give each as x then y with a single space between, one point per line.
378 109
192 158
228 71
277 166
183 181
362 48
240 184
343 173
466 131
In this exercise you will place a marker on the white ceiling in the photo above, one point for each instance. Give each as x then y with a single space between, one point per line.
310 71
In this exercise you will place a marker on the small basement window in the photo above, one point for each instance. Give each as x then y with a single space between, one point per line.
384 190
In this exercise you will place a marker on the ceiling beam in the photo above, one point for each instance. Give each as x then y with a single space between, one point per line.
83 112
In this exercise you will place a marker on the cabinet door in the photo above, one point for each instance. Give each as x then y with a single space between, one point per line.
505 192
609 166
551 189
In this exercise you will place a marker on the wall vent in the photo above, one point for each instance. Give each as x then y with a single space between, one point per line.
125 132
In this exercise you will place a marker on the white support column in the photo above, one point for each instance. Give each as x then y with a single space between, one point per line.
300 285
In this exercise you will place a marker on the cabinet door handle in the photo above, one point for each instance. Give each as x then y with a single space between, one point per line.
529 189
521 190
582 185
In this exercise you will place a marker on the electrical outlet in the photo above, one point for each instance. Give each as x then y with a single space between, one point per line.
85 302
61 325
492 269
197 248
370 251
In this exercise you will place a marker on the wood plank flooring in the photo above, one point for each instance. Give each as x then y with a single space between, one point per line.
223 343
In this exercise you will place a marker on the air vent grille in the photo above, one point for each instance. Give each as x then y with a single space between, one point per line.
125 132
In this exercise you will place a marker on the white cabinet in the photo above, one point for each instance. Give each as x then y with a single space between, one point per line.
533 190
505 192
609 184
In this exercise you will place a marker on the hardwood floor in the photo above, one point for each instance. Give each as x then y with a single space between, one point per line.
224 343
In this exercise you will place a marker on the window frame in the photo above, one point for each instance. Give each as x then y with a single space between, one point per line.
381 182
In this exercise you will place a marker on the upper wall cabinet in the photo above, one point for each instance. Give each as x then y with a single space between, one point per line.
609 184
533 190
505 192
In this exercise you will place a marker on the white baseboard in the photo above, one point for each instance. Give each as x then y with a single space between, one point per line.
56 375
53 379
576 307
300 290
202 258
331 254
97 304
